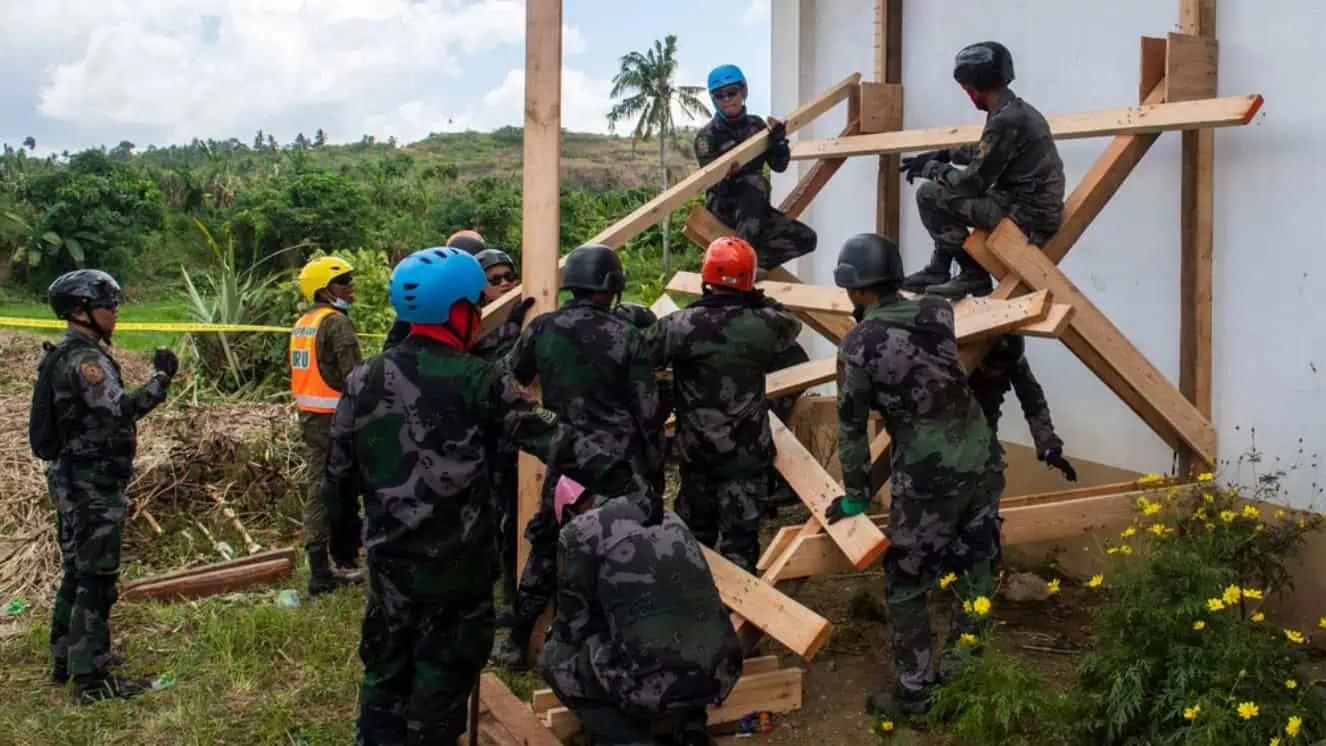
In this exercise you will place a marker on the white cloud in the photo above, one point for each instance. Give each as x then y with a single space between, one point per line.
757 11
216 68
585 102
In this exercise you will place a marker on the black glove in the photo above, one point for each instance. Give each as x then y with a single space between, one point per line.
934 171
913 164
165 361
518 311
778 131
1055 457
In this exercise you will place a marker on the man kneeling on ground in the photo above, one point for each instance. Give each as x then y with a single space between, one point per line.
640 637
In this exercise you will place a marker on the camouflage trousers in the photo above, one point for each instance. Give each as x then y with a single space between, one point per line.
949 530
538 579
949 219
89 521
315 431
777 238
618 718
426 636
506 496
723 511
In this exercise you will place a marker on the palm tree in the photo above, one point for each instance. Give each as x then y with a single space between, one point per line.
651 93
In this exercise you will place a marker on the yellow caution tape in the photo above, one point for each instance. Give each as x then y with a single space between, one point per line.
138 326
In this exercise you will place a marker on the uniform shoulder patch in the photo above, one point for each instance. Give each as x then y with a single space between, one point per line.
91 372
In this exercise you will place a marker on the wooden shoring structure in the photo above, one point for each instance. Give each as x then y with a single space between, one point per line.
1177 92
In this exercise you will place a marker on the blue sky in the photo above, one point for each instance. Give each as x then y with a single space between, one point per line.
81 73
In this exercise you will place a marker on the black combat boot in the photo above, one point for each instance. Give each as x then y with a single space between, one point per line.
108 687
934 273
972 280
321 579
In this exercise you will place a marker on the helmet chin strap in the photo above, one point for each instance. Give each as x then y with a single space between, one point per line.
93 325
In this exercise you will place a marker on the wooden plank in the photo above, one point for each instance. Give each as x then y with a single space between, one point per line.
543 700
540 219
664 306
1152 68
994 318
504 707
1052 326
1163 405
796 296
1230 111
1193 58
209 583
678 194
881 107
798 628
289 554
780 542
775 691
808 186
797 378
888 69
859 539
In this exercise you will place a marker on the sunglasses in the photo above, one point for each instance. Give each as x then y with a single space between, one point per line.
346 280
496 280
724 94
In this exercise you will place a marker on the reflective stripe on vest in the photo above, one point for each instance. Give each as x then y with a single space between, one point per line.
312 394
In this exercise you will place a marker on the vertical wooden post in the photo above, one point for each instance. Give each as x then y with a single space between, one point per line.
540 226
1196 17
888 69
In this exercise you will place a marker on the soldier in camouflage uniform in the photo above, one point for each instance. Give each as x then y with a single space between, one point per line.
719 349
594 371
1014 172
642 318
411 428
901 360
742 199
641 639
84 424
327 283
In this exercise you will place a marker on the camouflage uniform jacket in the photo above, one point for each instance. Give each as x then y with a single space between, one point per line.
97 420
337 347
641 601
595 372
748 186
990 392
411 426
902 361
1016 156
719 348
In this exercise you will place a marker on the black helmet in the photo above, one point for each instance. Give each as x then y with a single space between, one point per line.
468 241
868 259
594 267
83 290
491 258
984 66
1008 350
639 316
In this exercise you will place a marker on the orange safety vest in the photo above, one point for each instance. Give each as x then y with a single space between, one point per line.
312 394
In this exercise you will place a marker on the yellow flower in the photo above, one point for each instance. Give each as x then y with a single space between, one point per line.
981 606
1279 514
1201 513
1208 497
1152 508
966 606
1053 586
1251 511
1228 516
1157 528
1215 604
1294 636
1205 476
1148 478
1232 595
1112 550
1095 581
1248 710
1191 713
1291 684
1294 725
1210 525
967 639
1322 622
1252 593
1274 742
1259 617
1126 549
1199 625
886 726
1127 532
947 580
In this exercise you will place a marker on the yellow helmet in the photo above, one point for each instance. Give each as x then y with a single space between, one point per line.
319 273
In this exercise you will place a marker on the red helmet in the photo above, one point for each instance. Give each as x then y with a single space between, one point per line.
729 262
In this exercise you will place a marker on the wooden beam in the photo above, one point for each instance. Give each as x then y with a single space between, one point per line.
540 219
888 69
677 195
1162 406
774 691
522 726
809 186
1192 58
1231 111
664 305
1152 68
210 582
289 554
798 628
881 108
542 700
1052 326
995 318
796 296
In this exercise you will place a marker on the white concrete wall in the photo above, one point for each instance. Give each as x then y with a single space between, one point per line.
1270 269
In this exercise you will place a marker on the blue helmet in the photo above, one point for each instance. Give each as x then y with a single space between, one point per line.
724 75
426 284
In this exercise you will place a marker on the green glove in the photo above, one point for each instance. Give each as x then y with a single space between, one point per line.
844 507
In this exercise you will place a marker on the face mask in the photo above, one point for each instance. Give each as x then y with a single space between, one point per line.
340 304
